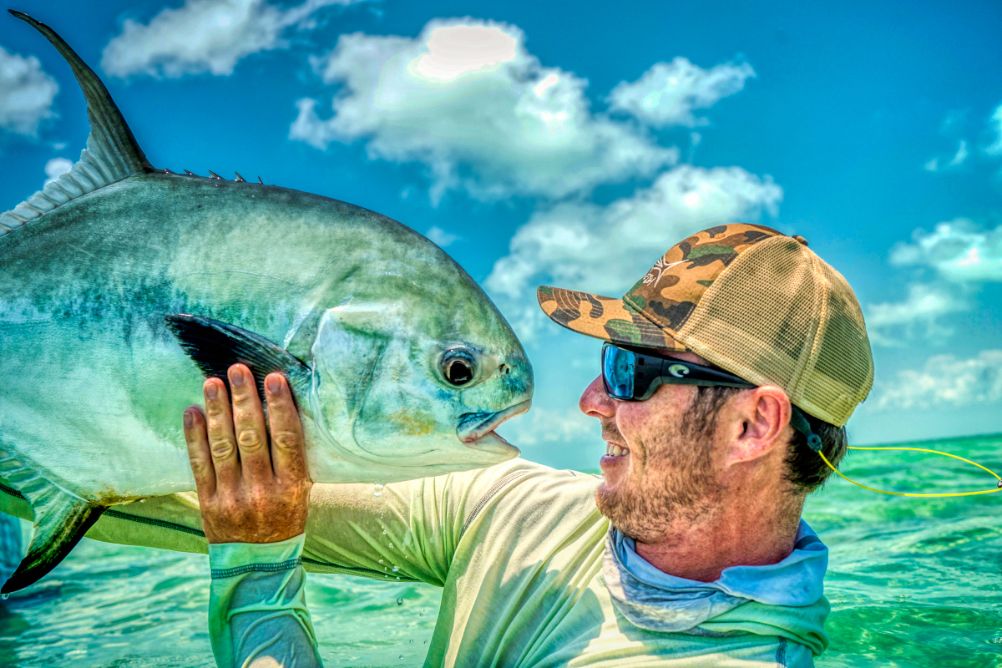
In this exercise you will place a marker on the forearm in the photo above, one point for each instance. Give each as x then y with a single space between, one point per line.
257 607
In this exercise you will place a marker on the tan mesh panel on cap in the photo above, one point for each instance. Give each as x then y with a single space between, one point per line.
843 366
779 315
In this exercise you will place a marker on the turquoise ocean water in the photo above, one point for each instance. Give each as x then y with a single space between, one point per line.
912 582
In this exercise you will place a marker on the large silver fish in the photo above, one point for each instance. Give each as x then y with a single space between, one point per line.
401 365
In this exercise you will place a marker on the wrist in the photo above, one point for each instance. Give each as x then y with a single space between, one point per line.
235 558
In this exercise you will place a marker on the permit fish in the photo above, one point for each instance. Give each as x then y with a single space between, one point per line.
122 286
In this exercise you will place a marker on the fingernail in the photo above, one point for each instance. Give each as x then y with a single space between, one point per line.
274 384
188 419
237 378
211 391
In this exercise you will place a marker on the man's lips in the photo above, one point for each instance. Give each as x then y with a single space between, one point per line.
474 426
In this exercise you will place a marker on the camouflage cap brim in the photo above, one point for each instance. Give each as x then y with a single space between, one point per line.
607 318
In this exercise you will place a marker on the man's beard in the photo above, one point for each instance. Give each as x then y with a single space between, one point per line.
679 485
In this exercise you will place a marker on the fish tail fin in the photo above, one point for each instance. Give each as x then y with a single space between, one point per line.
55 534
112 152
61 520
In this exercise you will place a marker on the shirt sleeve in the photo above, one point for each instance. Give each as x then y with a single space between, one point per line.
257 605
400 531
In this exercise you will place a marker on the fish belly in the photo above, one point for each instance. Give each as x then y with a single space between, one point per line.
100 419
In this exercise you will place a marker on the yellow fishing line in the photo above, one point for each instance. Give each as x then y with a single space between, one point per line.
926 495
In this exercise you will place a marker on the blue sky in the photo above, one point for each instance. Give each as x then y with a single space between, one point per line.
551 143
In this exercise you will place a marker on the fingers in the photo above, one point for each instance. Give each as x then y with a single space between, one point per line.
248 425
198 452
242 498
287 444
222 442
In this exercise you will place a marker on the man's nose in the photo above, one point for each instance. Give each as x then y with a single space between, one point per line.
595 401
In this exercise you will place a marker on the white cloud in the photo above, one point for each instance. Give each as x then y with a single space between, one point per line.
919 313
945 379
668 93
606 249
995 126
959 158
203 36
957 250
27 93
57 167
467 99
441 237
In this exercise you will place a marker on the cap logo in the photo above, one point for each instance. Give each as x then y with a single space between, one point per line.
658 270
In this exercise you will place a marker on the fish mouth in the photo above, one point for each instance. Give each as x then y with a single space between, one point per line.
474 427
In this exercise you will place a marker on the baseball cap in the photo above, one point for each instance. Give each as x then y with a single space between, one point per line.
750 300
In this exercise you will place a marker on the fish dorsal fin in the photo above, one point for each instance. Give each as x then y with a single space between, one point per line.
111 155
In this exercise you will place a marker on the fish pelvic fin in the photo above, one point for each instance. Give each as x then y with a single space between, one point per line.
61 520
112 152
215 345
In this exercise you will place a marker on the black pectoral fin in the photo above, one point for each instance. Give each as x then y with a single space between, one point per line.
59 526
215 346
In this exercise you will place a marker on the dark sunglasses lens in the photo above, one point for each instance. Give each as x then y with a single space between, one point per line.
618 367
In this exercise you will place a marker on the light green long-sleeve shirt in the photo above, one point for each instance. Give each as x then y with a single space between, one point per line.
520 551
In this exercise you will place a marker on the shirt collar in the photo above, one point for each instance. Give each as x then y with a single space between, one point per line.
798 579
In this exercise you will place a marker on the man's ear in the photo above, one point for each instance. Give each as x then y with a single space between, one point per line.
764 415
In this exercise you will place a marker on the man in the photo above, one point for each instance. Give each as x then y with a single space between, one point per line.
730 363
729 369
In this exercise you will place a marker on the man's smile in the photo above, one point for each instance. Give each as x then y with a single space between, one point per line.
613 450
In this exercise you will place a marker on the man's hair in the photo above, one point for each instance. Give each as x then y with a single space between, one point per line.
805 470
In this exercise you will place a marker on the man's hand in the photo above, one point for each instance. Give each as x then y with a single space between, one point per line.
252 489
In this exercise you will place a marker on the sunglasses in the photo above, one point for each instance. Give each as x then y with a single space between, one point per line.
629 375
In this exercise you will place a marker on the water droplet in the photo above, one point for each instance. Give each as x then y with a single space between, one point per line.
401 657
400 600
381 561
395 569
4 596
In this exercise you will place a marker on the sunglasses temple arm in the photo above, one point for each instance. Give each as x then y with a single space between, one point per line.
799 422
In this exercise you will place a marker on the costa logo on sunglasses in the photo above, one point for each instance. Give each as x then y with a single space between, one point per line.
678 370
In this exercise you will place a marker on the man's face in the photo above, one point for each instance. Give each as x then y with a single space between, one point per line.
669 470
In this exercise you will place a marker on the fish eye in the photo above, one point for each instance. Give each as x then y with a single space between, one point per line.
458 367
